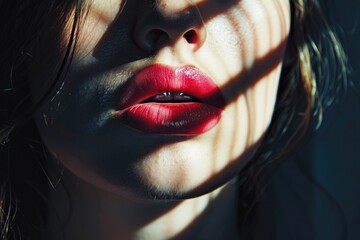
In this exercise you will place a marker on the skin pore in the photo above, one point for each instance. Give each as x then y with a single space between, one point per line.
126 184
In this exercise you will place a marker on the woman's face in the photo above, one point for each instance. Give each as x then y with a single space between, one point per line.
166 98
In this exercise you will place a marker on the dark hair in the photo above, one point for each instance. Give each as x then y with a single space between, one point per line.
313 73
314 66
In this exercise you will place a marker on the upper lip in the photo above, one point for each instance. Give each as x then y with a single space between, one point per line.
157 79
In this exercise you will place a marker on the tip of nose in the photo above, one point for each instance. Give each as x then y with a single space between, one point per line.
156 29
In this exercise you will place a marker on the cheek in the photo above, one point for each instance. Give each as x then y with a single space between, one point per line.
99 17
244 52
240 37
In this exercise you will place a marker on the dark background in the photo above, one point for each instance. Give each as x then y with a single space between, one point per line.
315 194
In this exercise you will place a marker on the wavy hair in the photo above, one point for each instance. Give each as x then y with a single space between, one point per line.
313 72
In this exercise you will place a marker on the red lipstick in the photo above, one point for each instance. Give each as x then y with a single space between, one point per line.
169 100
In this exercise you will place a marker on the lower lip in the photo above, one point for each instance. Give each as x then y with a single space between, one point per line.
171 118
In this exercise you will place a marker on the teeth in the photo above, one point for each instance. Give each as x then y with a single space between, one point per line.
171 96
182 97
164 97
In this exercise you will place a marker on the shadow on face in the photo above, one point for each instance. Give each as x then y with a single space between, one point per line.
239 44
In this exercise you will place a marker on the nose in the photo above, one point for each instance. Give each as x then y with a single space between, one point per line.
165 22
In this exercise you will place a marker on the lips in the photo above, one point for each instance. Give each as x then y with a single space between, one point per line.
162 99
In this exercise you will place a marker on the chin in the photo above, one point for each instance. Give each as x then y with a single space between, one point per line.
174 174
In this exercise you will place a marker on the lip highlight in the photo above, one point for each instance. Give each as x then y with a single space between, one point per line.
138 109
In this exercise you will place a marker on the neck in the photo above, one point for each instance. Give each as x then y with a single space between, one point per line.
84 212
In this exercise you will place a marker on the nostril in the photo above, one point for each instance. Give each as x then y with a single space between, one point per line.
155 37
191 36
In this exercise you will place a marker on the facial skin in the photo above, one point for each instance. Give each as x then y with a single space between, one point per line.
239 44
